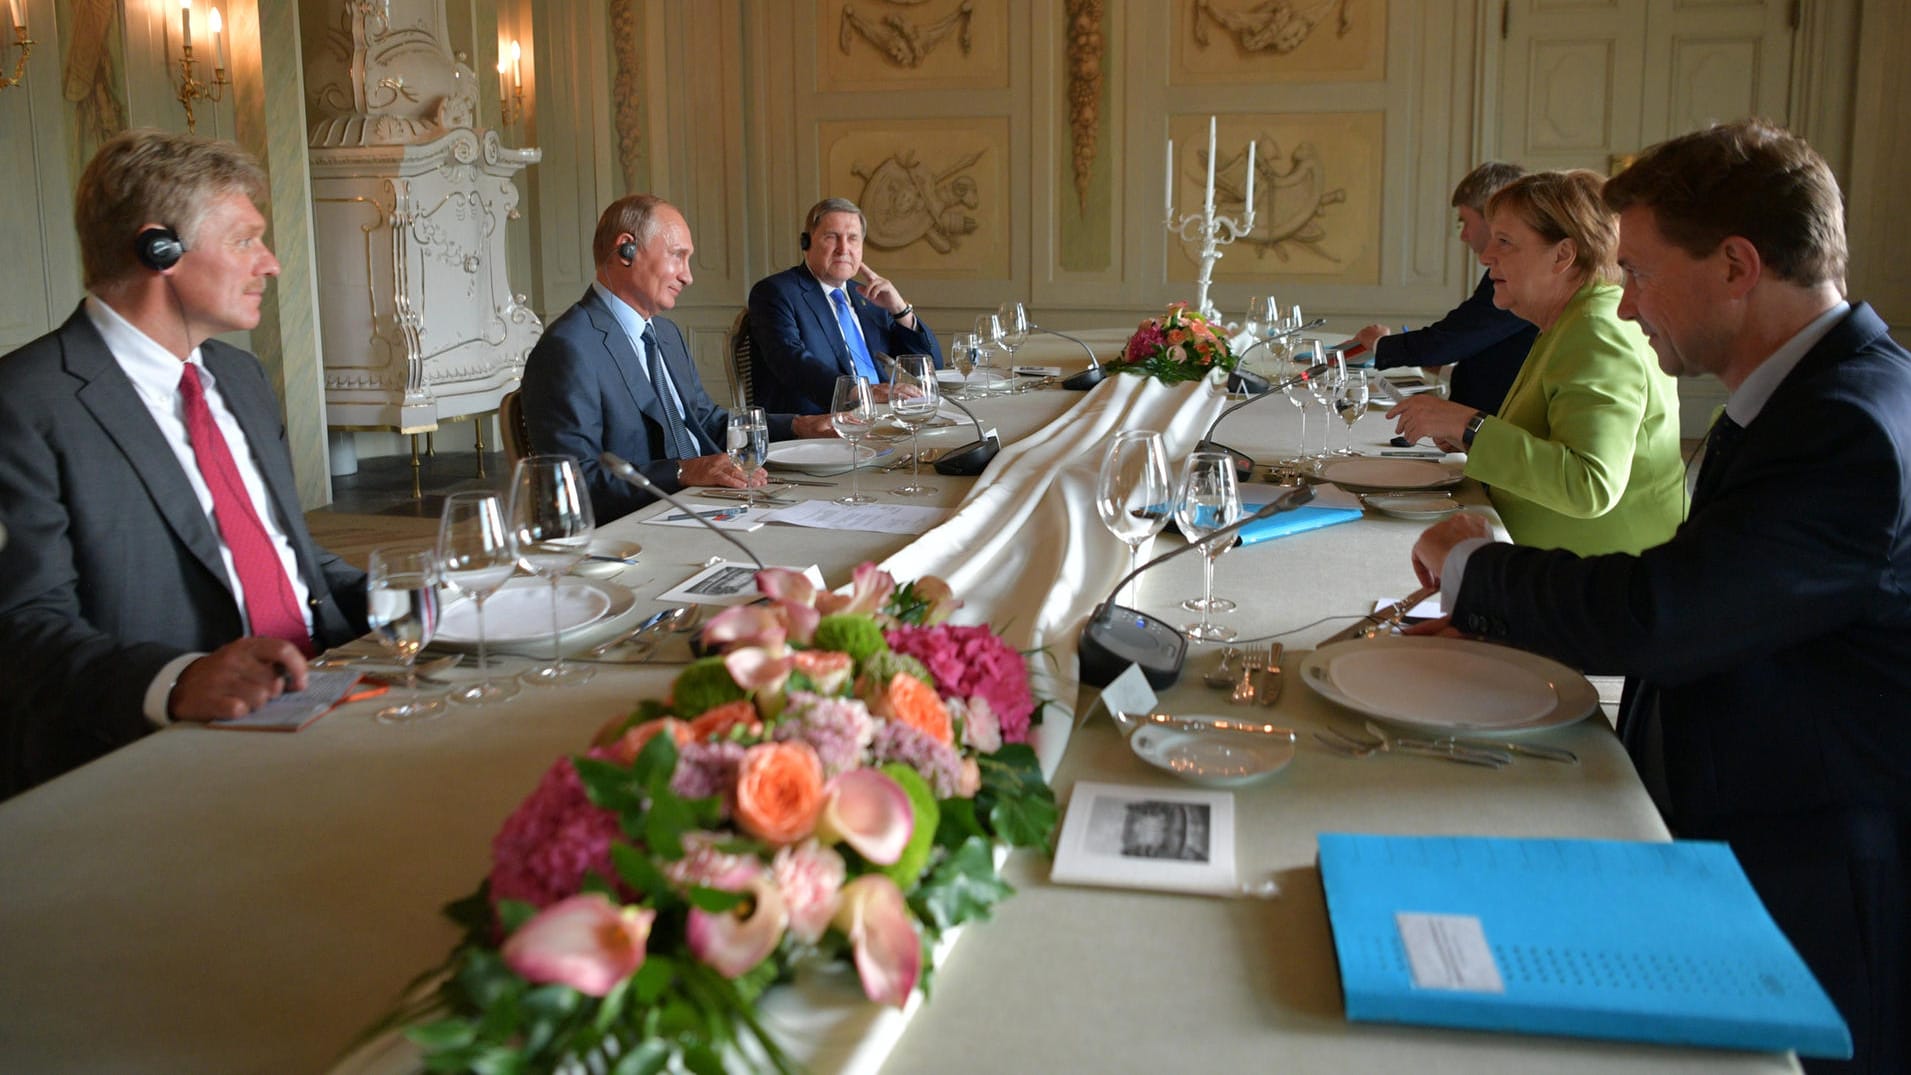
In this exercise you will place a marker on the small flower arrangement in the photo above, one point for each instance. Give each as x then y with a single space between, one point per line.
1180 345
832 784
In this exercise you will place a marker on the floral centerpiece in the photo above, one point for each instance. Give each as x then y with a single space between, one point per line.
1180 345
833 783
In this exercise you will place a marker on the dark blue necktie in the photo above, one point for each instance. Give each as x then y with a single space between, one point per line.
858 351
1720 443
677 437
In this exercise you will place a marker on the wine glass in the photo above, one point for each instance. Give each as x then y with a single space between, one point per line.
748 438
852 411
401 604
1014 328
962 352
988 337
475 557
1322 388
1209 501
1351 401
914 399
551 527
1297 393
1133 492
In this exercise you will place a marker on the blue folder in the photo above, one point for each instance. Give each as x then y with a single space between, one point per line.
1293 522
1655 942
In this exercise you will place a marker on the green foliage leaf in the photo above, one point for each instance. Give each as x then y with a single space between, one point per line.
714 900
648 1058
959 822
962 887
611 786
1019 804
642 874
443 1034
513 914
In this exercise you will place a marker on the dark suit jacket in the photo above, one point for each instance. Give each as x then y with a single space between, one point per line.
799 349
1768 646
1485 345
111 570
585 392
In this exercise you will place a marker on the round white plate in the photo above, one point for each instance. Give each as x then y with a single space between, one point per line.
822 455
1384 474
1212 759
605 569
1456 684
1418 507
519 614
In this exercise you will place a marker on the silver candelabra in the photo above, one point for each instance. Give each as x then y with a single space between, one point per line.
1212 229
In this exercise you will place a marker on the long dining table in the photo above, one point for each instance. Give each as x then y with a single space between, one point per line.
208 902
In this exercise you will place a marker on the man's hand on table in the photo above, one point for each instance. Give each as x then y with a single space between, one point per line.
813 425
718 471
1435 542
1366 336
236 679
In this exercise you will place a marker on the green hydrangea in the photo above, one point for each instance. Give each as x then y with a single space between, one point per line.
703 685
851 633
882 667
906 871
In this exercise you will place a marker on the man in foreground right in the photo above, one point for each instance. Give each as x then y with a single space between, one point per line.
1767 645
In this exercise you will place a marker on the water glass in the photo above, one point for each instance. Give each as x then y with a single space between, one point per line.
1013 321
1351 402
475 557
1209 500
401 604
748 440
551 527
1322 388
914 399
852 412
1134 493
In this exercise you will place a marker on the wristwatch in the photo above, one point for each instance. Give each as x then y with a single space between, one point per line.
1472 427
680 472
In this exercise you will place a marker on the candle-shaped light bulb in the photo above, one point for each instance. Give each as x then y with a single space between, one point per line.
218 27
1167 183
517 66
1207 200
1250 177
13 8
185 23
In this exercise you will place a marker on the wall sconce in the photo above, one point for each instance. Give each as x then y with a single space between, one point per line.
20 41
190 88
511 93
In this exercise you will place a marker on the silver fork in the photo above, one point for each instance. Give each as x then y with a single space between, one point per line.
1387 741
1251 662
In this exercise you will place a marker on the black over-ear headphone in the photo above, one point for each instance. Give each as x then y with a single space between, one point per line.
627 250
159 249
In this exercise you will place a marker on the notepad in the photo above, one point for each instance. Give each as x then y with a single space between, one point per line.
1296 521
1656 942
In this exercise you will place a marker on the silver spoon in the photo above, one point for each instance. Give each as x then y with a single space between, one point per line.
1221 677
655 622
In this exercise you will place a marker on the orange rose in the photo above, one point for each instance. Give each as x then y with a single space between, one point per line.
916 704
779 791
631 743
714 724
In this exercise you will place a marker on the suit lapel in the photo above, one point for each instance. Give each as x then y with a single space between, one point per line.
624 355
825 315
257 413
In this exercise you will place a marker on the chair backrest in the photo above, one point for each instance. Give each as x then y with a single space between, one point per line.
742 364
517 435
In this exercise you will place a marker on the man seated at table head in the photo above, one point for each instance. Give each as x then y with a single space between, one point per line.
814 322
158 566
1484 344
1767 644
612 374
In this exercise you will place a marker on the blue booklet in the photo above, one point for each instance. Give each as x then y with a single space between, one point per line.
1656 942
1310 517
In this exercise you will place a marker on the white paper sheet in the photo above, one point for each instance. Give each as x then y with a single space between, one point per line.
878 518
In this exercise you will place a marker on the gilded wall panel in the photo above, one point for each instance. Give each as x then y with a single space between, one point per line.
1085 220
936 192
912 44
1317 191
1278 41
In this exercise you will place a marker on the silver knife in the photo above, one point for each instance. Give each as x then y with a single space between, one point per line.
1268 690
1180 724
1530 750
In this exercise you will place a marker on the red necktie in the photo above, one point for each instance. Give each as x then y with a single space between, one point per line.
270 603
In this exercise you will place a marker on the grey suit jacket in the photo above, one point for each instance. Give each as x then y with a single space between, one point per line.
111 569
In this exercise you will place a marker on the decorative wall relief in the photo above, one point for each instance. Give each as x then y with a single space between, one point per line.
1280 41
914 44
627 94
1085 236
935 193
1317 195
1084 89
91 81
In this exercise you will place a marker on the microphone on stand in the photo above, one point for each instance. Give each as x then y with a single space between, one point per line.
1086 379
1115 637
1244 463
637 478
971 458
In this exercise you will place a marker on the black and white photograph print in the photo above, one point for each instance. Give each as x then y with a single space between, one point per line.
1147 837
1150 829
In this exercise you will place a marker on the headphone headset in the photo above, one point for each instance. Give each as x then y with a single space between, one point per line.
627 250
159 249
803 240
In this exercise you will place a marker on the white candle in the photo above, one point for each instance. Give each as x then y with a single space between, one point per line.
1207 200
218 27
185 23
13 8
517 66
1250 177
504 87
1167 183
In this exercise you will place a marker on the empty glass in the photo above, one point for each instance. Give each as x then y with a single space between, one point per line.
475 557
551 528
1013 321
748 437
852 411
1209 500
914 399
1134 493
401 604
1351 402
1322 388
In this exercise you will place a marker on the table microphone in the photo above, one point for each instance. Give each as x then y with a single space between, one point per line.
1086 379
637 478
972 458
1243 463
1115 637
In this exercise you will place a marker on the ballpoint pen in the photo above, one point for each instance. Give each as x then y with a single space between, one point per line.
713 513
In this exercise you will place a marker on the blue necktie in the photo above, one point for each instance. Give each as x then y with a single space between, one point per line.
858 351
677 439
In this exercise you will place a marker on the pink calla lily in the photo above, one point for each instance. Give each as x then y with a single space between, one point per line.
888 952
754 625
732 942
799 620
757 669
870 586
870 812
586 942
782 584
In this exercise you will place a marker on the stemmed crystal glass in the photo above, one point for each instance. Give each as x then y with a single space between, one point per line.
401 604
1134 493
551 528
1351 401
1209 501
1323 388
1013 322
988 337
852 411
1297 361
475 557
914 399
748 440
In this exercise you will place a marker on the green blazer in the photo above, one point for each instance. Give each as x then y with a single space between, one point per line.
1584 453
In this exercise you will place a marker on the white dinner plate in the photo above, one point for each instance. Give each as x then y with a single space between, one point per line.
623 554
1418 507
1455 684
519 614
1376 474
1211 759
819 456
